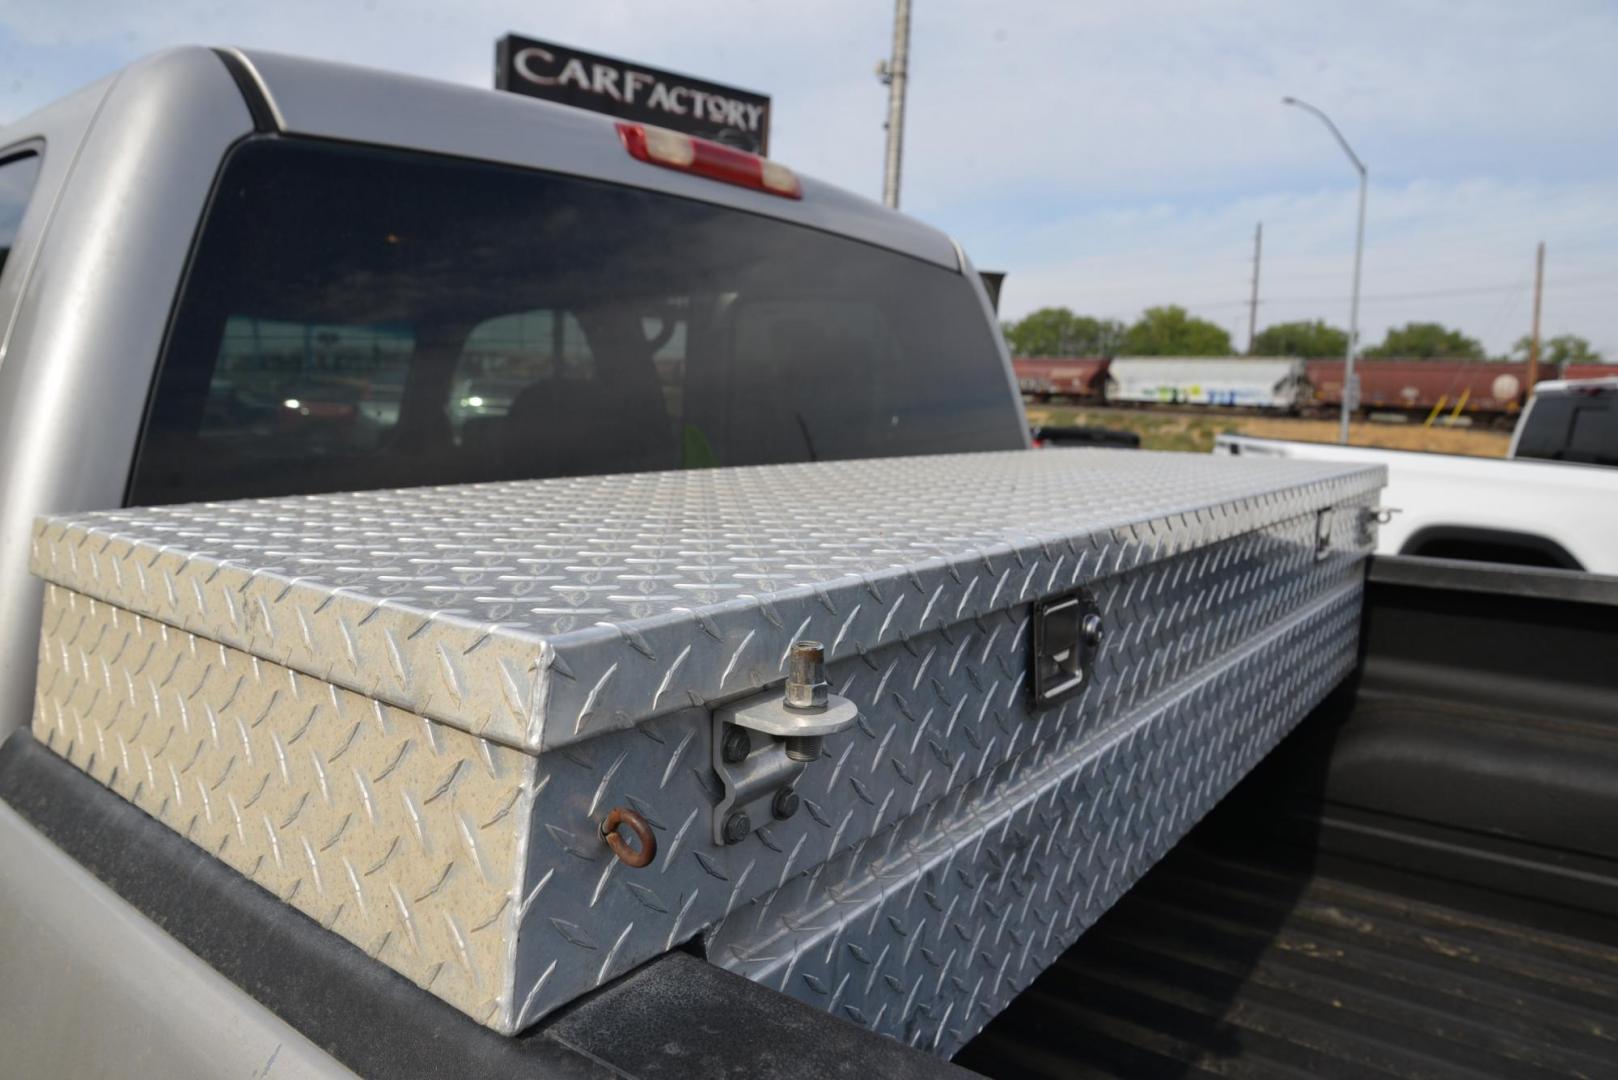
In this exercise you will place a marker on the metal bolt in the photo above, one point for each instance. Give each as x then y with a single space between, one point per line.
1094 632
785 804
806 676
803 747
738 827
736 746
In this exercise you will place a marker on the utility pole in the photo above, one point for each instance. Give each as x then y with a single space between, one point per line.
1539 292
1252 306
895 72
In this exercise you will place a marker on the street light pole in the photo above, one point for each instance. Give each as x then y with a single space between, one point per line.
1351 385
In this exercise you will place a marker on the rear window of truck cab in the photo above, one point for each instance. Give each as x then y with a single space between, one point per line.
360 318
1577 426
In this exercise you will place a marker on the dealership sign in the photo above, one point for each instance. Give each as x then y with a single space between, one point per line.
633 92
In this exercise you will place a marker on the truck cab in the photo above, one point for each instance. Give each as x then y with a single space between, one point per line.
1542 506
1572 420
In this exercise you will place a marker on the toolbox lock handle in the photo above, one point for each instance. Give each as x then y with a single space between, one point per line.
1068 631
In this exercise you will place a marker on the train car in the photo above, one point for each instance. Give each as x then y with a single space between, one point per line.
1081 378
1589 371
1269 383
1468 386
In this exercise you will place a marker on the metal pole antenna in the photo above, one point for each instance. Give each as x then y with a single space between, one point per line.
1351 386
895 72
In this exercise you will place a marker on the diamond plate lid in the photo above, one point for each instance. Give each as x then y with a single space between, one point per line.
538 613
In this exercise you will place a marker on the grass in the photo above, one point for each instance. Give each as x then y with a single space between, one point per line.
1190 431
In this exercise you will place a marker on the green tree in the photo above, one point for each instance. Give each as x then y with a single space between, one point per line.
1311 340
1562 349
1426 341
1056 331
1096 337
1039 333
1172 331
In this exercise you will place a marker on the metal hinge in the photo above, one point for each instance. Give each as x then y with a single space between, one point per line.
761 745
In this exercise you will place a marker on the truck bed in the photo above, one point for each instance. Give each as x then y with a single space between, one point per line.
1418 883
1235 958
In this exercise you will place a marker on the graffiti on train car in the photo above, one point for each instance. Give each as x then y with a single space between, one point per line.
1486 389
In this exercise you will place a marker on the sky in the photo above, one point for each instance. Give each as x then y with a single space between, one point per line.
1108 156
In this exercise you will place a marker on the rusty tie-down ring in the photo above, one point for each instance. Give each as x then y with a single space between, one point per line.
622 815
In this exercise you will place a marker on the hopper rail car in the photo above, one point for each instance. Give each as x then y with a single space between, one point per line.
1490 392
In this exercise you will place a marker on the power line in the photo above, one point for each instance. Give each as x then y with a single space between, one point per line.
1507 311
1575 279
1425 294
1470 291
1392 299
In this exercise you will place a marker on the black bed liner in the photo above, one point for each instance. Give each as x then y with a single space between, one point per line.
1232 962
1421 882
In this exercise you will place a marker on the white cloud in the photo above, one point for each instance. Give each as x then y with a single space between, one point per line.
1105 154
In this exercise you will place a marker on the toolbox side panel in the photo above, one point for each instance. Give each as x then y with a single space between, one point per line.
929 929
396 832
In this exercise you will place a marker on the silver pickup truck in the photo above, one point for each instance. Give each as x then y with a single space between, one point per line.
335 330
236 274
770 710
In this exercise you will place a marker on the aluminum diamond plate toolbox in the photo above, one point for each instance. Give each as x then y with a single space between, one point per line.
514 739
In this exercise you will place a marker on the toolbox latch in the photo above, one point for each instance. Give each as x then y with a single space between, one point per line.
1323 527
761 745
1067 636
1369 519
